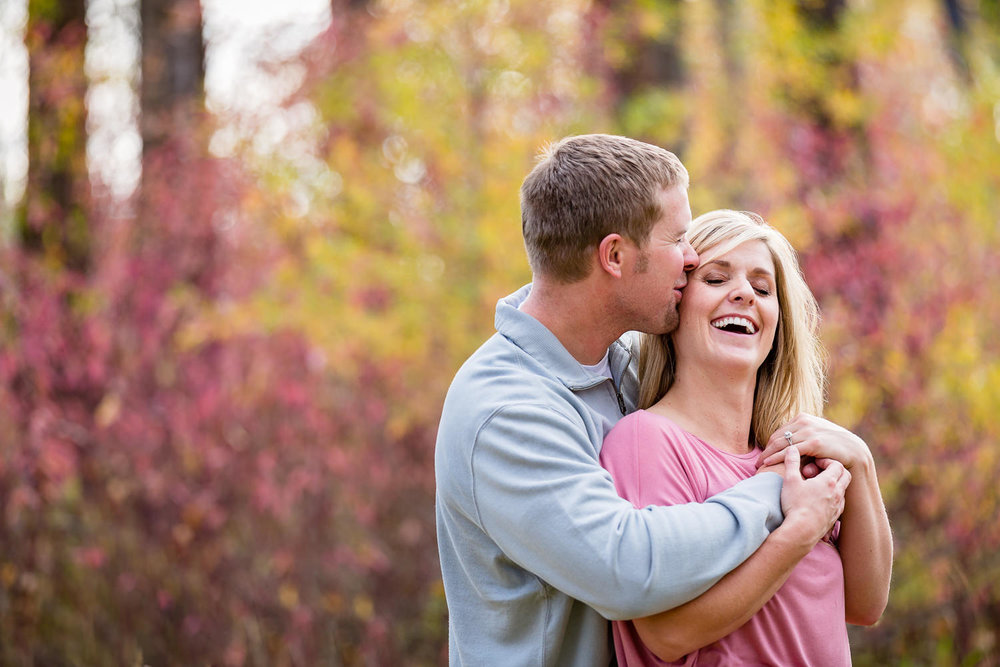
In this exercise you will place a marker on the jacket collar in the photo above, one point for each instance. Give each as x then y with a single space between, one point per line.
541 344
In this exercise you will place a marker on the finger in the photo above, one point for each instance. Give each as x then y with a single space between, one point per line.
809 446
775 444
844 481
774 458
810 470
831 467
792 459
806 448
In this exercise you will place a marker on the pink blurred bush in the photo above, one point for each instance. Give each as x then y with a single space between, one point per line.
220 502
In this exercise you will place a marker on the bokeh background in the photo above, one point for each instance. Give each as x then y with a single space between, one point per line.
230 305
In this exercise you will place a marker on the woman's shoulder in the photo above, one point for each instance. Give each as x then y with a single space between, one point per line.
652 460
650 419
643 429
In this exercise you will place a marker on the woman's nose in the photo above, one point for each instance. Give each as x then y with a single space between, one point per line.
743 292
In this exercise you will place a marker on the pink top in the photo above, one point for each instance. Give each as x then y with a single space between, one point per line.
655 462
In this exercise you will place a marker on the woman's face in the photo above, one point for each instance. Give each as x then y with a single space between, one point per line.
729 313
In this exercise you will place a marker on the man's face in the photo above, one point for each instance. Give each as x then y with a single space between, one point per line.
659 276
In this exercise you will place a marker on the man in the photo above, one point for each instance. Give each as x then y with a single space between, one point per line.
537 549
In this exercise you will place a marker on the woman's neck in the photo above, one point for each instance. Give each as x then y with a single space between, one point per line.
712 404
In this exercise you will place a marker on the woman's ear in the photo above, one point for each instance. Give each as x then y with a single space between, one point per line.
610 253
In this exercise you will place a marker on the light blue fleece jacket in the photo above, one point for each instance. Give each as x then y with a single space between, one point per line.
537 549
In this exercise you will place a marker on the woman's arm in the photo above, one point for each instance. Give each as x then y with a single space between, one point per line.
865 540
865 544
741 593
726 606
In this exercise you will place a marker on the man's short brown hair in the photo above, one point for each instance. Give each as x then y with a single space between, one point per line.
586 187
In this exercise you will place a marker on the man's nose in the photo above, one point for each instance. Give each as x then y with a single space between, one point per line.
691 259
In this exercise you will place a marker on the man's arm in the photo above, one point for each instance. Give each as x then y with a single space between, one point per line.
543 498
811 510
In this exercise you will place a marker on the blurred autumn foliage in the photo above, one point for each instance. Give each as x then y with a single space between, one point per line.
221 398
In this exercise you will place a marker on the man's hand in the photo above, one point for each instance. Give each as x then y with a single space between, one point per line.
812 506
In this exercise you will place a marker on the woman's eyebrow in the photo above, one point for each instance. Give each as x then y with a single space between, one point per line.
721 262
725 264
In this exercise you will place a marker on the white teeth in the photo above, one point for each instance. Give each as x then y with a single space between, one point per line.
738 321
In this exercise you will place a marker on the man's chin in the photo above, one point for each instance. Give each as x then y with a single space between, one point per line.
668 325
671 321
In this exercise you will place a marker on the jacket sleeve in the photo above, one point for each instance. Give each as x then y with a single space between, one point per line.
541 494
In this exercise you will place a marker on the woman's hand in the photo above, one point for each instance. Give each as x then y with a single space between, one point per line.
816 438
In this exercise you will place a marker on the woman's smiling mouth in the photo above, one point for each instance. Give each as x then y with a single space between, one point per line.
735 324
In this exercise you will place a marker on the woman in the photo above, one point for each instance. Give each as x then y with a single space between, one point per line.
741 374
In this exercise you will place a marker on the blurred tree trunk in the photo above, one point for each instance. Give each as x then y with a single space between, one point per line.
963 38
176 201
340 6
53 229
652 67
655 56
53 218
822 13
822 22
173 71
958 33
348 20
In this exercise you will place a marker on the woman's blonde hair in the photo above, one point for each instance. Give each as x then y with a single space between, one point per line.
791 379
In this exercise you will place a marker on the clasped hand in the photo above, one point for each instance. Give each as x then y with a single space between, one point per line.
817 470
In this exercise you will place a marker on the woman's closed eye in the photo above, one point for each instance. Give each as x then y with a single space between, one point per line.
762 289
